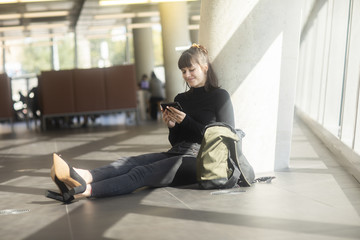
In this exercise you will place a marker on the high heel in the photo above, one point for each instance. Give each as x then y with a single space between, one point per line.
58 196
65 195
67 175
54 195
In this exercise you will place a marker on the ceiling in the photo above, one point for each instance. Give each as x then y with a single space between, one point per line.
25 18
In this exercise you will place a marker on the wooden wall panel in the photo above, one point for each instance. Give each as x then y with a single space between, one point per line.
120 83
56 92
6 105
89 90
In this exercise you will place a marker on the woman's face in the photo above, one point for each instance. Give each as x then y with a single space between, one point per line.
195 76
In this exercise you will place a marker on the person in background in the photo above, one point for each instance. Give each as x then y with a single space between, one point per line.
144 82
157 94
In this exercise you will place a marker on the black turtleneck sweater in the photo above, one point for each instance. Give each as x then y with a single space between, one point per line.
201 108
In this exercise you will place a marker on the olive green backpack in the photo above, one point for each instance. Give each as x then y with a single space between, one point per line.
220 162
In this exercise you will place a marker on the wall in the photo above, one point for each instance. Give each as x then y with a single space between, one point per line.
254 48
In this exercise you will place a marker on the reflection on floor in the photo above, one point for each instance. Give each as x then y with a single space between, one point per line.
314 199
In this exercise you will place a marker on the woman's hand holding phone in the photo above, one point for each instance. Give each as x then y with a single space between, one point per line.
166 118
172 115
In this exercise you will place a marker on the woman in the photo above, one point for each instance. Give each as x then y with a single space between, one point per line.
202 104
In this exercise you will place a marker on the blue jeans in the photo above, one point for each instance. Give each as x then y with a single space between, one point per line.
153 170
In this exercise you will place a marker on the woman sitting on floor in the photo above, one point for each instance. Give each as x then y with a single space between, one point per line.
204 103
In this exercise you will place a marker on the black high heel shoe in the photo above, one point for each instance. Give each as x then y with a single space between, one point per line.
54 195
65 196
64 174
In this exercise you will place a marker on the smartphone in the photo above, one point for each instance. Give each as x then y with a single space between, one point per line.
171 104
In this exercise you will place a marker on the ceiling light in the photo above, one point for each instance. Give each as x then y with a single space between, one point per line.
195 18
46 14
193 27
98 36
29 1
112 36
33 44
33 37
120 2
25 1
46 36
147 14
9 38
103 27
34 15
114 16
141 25
46 26
126 15
159 1
8 1
4 29
10 16
11 22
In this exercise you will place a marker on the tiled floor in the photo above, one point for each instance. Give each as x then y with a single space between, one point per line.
314 199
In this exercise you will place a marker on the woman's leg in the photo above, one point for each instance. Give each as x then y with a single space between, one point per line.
124 165
186 173
117 168
157 174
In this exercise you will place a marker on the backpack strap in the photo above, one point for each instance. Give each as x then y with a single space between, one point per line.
232 182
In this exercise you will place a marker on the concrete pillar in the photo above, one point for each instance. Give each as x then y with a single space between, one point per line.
75 50
52 53
254 49
3 57
143 49
175 33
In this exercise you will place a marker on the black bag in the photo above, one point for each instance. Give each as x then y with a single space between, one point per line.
220 162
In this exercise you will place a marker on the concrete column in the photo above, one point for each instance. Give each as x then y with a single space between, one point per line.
3 57
254 49
75 50
143 49
175 33
52 53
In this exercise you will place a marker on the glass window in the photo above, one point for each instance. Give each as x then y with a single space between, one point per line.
336 67
106 51
65 51
157 43
35 57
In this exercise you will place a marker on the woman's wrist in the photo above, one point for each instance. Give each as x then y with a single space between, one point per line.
170 124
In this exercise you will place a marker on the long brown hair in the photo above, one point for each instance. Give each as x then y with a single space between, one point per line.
199 54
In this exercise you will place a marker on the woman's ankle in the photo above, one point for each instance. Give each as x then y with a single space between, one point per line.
85 174
85 194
